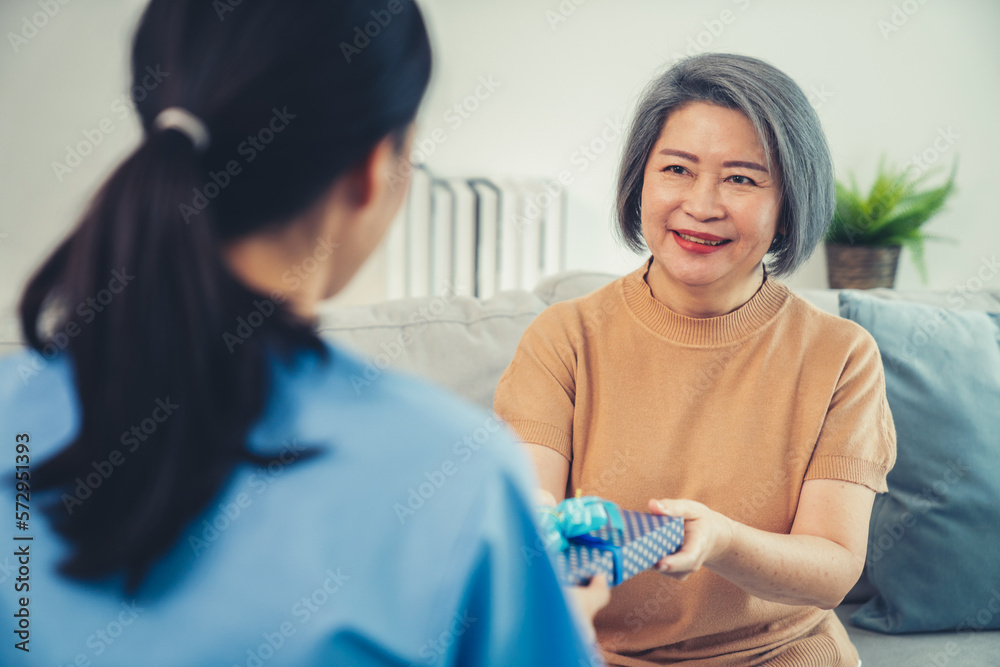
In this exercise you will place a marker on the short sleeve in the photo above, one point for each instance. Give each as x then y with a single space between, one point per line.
857 442
536 394
514 611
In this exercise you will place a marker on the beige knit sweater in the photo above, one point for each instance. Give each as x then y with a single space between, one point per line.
736 412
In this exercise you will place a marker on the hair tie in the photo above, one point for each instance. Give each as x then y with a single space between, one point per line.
185 122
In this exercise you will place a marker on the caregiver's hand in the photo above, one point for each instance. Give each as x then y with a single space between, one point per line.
707 535
588 600
543 497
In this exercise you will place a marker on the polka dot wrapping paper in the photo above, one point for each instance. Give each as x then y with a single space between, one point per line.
620 554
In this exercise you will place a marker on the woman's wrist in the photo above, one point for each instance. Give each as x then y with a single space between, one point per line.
725 539
777 567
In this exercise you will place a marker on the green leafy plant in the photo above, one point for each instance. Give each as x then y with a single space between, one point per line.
892 213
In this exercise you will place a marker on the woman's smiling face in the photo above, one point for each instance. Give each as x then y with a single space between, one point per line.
707 176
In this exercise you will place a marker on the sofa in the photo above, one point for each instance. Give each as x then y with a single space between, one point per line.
465 344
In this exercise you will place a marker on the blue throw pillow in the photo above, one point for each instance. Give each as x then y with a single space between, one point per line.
934 540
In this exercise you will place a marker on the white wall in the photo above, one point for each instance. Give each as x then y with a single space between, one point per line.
59 84
562 81
561 84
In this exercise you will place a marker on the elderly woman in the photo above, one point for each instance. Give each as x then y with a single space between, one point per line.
700 386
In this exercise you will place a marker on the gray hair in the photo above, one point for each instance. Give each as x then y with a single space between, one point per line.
788 128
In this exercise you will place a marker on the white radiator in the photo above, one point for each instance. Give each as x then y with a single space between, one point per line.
474 236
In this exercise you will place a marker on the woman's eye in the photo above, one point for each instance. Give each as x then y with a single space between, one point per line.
741 180
675 169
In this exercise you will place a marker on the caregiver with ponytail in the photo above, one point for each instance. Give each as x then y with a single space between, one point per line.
208 495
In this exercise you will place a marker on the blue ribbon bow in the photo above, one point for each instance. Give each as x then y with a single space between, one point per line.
574 518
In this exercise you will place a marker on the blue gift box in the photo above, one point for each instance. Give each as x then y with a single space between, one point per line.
619 553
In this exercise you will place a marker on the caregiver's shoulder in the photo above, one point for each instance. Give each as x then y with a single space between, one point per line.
446 425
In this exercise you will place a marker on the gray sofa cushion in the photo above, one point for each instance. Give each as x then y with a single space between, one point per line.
942 379
932 649
459 342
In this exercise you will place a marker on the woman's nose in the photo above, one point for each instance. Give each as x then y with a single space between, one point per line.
703 201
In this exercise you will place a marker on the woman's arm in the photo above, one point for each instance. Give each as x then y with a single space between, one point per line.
552 469
817 564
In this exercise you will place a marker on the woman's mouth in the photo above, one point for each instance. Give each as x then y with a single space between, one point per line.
699 240
696 244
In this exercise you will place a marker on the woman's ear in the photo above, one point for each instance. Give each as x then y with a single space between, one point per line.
380 173
364 182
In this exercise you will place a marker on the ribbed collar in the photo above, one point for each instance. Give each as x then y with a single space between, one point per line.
704 331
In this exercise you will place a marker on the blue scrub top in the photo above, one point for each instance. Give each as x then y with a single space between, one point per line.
409 541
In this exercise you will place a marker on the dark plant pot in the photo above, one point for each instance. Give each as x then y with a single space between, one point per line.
861 267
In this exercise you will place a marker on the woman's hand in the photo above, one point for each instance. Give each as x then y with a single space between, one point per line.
707 535
815 564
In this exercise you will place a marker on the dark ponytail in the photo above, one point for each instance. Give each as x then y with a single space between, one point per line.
140 285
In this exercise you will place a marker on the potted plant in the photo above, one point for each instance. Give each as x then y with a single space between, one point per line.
868 230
